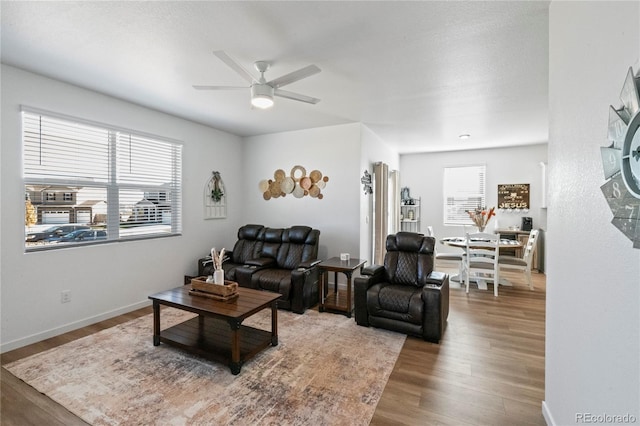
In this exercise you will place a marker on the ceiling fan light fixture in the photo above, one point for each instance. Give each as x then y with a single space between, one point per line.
262 96
263 91
262 102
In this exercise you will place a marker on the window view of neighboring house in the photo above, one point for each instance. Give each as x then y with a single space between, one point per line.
60 204
72 177
154 207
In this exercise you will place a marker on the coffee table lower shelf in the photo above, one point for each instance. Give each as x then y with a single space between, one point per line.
212 338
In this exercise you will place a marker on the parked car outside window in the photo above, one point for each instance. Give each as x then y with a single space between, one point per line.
83 235
56 232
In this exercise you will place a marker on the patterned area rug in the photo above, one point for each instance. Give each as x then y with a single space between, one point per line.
325 370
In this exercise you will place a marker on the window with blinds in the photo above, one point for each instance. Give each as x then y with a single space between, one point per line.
463 190
80 177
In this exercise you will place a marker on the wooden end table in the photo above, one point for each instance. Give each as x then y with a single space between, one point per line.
340 301
217 332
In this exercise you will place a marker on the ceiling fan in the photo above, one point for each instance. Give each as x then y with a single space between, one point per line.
263 91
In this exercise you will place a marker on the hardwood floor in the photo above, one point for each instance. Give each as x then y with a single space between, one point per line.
21 405
487 370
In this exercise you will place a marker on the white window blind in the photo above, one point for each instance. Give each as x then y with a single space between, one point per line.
93 176
463 190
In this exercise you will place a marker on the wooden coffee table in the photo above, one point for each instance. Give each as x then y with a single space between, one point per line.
217 332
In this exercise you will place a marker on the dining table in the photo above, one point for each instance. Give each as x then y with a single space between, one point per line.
461 242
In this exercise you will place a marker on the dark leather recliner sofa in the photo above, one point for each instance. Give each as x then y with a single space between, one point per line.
280 260
405 294
248 246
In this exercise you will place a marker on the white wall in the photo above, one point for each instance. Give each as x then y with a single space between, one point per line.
112 278
423 174
334 151
109 279
373 150
593 273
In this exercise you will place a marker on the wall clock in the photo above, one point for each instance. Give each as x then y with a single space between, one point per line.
621 161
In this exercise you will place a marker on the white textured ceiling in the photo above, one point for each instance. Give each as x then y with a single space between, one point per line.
417 73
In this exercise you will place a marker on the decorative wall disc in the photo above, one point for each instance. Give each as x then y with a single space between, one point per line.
302 173
315 176
314 191
621 161
298 192
287 185
305 183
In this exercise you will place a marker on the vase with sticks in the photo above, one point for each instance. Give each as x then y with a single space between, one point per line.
481 216
217 258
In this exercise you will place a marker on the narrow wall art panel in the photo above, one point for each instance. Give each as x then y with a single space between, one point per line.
215 198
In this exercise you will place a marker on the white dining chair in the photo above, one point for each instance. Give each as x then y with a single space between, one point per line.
481 259
522 263
446 257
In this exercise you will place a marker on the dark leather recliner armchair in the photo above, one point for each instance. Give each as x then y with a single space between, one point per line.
248 246
286 265
405 294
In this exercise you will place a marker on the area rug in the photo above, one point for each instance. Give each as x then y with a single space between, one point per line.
326 370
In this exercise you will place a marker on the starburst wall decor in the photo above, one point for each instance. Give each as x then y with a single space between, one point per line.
621 161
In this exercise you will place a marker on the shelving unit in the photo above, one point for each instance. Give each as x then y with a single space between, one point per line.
410 216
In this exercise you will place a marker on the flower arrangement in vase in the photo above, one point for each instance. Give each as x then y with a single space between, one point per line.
216 192
481 216
218 273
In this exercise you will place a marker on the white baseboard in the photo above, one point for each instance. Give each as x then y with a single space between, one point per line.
34 338
546 413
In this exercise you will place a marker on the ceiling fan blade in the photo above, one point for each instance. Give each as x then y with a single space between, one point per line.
197 87
294 76
221 54
295 96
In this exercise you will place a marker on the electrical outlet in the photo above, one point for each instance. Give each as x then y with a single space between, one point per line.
65 296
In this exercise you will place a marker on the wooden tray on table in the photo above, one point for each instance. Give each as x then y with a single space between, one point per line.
225 293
